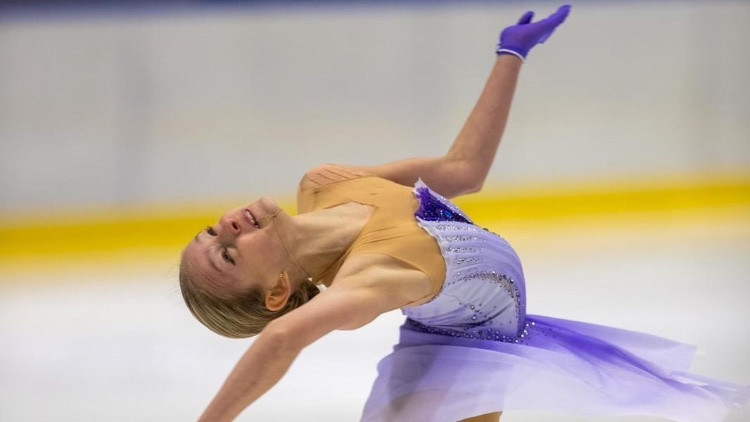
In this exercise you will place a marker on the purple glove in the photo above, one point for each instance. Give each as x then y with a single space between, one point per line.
519 39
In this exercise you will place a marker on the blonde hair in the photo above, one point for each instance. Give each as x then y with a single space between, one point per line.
238 316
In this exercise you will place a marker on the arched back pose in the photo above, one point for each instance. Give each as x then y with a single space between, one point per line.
387 237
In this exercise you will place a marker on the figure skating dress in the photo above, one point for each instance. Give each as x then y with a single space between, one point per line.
472 349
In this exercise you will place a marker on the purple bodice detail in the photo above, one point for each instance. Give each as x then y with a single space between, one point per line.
433 209
483 295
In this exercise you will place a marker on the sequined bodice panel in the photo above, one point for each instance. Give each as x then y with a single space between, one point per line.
483 295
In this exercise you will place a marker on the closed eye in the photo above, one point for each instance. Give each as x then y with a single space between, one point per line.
226 256
210 230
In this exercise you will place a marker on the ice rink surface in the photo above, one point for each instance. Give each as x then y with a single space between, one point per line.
116 343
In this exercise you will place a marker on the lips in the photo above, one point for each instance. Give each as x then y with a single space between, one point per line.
251 219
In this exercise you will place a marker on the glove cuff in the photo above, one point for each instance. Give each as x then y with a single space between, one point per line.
502 50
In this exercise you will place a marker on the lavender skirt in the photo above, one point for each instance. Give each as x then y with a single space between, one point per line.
563 366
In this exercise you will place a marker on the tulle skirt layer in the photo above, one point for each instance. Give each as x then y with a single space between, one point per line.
560 366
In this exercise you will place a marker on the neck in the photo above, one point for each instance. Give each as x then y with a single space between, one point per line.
317 239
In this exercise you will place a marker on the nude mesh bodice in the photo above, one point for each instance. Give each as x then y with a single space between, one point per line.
391 229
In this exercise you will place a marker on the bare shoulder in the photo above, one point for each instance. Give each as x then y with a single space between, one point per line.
398 283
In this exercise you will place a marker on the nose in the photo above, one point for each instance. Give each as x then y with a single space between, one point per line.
230 225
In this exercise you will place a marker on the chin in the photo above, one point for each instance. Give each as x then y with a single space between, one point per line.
267 204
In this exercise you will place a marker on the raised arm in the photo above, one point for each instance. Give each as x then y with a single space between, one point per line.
464 168
480 136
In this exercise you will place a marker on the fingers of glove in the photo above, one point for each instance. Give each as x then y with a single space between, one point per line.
526 18
558 17
553 21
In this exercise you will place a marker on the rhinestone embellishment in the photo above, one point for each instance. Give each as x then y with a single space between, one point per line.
483 293
433 209
478 334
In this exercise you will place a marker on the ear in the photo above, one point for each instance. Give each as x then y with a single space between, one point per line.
278 294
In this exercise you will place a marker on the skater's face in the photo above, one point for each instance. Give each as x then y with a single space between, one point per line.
242 251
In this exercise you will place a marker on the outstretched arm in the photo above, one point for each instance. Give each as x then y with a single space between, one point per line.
259 369
464 168
273 352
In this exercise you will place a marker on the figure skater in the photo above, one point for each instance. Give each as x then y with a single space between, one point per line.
387 237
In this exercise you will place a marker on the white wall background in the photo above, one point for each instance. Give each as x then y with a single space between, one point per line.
194 105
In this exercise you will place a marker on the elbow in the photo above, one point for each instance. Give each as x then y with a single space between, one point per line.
475 180
461 189
470 180
280 337
476 186
473 185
